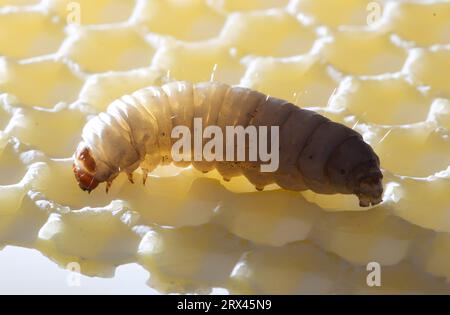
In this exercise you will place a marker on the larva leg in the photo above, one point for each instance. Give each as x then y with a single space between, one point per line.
257 179
144 176
130 178
150 162
108 185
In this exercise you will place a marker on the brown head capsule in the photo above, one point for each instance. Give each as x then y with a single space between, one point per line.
85 171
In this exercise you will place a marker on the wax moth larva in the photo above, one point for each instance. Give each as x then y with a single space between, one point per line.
314 152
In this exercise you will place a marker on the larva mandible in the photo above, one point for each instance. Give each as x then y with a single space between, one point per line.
314 152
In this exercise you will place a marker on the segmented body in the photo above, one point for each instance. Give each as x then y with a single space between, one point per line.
314 152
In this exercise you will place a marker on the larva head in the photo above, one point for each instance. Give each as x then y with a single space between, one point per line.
84 169
354 168
367 184
89 171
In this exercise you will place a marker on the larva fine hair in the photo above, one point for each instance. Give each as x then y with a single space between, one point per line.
314 152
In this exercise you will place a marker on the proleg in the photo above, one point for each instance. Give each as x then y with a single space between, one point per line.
314 152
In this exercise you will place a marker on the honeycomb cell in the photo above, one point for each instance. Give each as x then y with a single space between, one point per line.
304 81
185 20
433 255
425 142
363 52
11 196
386 101
43 129
26 34
100 90
432 212
97 239
276 217
423 23
11 167
22 226
187 207
198 62
335 13
248 5
183 260
267 33
431 68
116 49
299 268
362 237
440 113
40 82
93 12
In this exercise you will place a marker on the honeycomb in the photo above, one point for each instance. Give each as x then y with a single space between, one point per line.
386 77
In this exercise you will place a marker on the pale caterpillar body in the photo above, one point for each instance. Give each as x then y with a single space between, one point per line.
314 152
